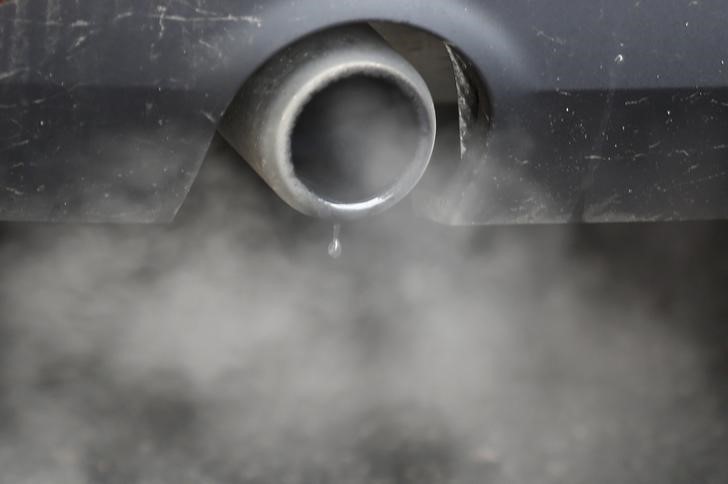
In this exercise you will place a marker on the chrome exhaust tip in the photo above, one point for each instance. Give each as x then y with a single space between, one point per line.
339 124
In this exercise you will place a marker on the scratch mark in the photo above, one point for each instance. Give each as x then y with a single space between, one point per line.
702 180
12 73
210 46
555 40
196 8
16 123
692 168
227 18
16 145
636 101
162 16
122 16
14 191
78 43
45 23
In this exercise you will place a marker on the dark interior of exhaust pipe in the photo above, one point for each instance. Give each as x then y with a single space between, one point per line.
355 138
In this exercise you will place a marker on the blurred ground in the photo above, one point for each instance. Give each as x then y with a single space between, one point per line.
229 348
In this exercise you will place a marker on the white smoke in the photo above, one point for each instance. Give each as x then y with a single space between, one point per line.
229 348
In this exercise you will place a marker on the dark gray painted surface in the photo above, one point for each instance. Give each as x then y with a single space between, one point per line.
601 111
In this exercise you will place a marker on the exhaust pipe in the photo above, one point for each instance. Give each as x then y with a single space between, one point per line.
339 125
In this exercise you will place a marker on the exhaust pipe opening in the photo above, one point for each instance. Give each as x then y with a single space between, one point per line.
339 124
355 139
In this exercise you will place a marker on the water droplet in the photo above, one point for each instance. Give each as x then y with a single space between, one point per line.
335 245
335 249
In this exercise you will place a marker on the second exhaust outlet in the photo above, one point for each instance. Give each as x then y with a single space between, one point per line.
339 124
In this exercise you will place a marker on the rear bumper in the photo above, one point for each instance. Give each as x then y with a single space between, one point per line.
615 113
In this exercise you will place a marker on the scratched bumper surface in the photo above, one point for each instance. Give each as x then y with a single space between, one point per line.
598 112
